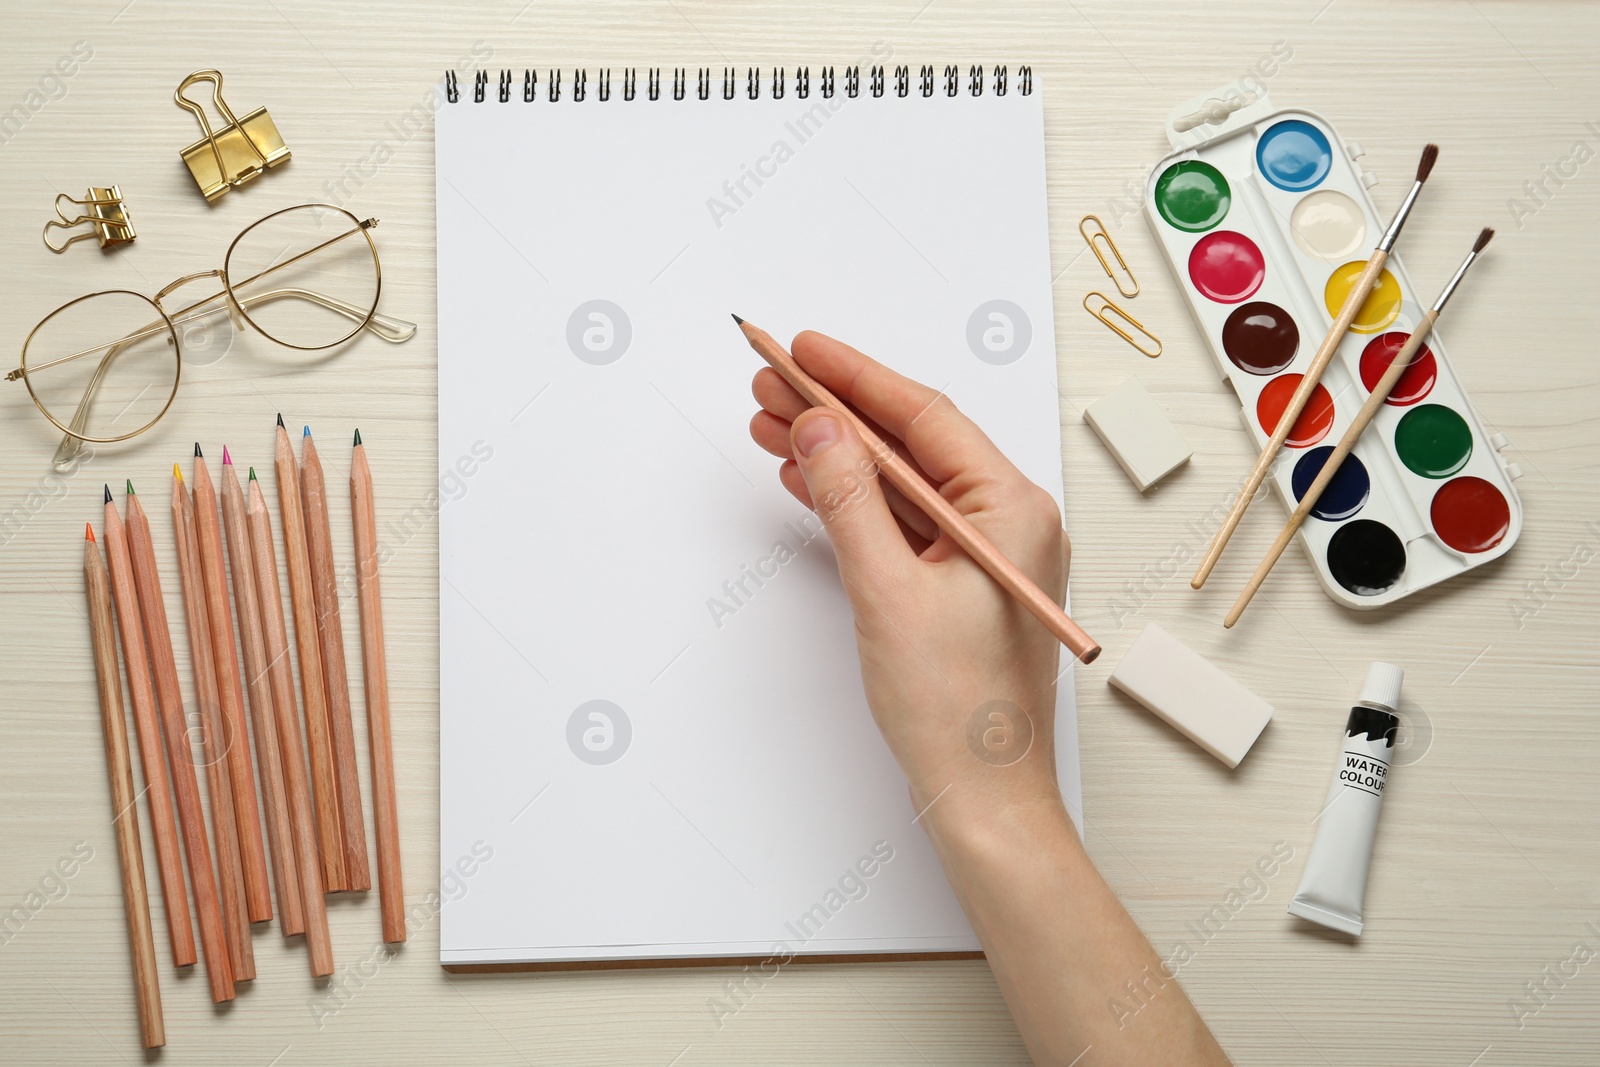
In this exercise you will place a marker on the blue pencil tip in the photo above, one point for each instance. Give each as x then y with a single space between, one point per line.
306 432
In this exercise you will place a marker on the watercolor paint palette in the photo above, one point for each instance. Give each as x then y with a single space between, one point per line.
1266 223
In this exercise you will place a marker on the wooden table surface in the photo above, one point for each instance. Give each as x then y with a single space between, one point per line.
1484 882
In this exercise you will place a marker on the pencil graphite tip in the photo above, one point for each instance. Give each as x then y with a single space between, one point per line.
1483 239
280 420
197 453
1430 156
88 532
108 492
738 319
227 460
130 488
358 439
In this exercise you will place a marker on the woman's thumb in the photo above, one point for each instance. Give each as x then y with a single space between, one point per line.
843 481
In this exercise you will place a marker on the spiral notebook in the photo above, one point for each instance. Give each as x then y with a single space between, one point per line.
654 744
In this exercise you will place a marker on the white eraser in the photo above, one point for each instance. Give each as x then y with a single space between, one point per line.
1138 433
1195 697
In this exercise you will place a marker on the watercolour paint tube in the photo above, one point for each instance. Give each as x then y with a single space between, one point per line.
1334 885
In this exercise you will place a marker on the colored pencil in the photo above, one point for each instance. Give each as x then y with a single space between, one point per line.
224 826
147 728
1375 399
324 791
230 694
906 479
185 787
1319 363
375 674
335 680
124 812
269 599
280 834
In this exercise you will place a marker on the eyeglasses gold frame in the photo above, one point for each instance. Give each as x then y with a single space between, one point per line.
390 329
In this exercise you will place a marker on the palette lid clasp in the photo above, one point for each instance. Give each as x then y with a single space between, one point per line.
1207 117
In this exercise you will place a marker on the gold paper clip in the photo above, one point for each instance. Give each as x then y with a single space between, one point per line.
239 151
1107 308
1096 237
103 209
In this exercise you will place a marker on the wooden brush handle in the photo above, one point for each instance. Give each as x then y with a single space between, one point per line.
1297 403
1330 466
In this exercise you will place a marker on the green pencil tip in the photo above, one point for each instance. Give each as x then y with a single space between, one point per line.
130 488
252 474
358 438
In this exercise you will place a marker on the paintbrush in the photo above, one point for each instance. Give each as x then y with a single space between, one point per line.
1379 394
1319 363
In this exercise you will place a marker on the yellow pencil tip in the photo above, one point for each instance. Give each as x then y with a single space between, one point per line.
177 472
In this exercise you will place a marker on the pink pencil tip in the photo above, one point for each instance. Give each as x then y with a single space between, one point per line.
227 460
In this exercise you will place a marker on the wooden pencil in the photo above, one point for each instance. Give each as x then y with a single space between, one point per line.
185 787
335 680
224 826
1308 382
269 599
280 833
230 694
124 810
375 674
1375 399
916 489
324 791
147 728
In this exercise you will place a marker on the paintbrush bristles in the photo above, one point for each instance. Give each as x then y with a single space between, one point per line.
1430 156
1483 239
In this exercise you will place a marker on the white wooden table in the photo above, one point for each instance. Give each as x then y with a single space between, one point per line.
1485 874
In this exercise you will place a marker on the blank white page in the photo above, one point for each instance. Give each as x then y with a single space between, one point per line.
601 498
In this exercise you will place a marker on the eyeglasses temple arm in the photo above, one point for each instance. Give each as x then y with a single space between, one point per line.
387 327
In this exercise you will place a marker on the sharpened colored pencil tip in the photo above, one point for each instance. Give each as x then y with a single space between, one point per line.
306 432
197 453
280 419
130 488
227 460
108 492
252 474
88 532
738 320
358 439
177 473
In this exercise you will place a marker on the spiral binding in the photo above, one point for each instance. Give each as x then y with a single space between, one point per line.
977 78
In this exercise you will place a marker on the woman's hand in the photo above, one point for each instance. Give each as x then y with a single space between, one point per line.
960 678
962 681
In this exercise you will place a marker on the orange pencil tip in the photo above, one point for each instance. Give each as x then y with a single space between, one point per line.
88 531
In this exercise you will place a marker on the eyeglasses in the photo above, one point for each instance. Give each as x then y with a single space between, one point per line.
289 276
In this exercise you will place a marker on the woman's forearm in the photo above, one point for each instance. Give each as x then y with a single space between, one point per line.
1061 946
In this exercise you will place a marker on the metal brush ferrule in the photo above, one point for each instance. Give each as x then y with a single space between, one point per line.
1392 234
1450 287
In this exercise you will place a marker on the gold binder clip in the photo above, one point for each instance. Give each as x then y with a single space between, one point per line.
1108 313
103 209
239 151
1096 238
